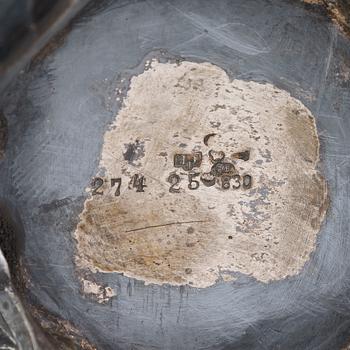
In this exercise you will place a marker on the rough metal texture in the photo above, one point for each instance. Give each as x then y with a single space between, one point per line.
59 111
338 11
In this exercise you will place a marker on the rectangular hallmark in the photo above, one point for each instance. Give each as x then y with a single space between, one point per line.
188 161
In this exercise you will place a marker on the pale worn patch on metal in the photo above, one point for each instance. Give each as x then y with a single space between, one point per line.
202 176
102 294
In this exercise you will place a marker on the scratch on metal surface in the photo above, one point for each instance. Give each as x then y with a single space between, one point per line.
168 224
242 39
323 83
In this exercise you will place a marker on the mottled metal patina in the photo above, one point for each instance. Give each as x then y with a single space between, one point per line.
61 106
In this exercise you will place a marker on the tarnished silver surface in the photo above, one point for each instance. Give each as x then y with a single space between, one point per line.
58 111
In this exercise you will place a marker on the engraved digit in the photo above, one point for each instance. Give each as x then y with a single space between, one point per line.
174 179
97 183
225 182
138 182
247 181
237 182
117 181
191 181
